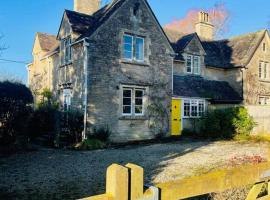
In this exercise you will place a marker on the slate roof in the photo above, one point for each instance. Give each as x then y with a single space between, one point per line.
47 41
85 24
196 86
228 53
178 41
233 52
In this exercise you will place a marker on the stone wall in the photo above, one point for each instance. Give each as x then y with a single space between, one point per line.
108 72
261 115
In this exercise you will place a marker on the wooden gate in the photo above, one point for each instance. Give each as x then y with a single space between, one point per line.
127 183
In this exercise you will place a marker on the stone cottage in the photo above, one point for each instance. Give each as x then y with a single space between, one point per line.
115 65
118 67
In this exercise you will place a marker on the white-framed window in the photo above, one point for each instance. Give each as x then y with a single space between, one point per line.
264 101
133 102
264 70
66 50
133 48
66 99
193 64
194 108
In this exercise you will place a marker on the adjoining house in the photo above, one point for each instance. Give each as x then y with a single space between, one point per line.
221 73
118 66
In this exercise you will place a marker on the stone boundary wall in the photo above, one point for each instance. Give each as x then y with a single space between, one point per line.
261 115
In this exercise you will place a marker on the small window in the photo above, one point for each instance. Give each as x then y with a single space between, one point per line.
193 64
264 47
133 101
264 70
66 99
194 108
264 101
133 48
127 98
66 50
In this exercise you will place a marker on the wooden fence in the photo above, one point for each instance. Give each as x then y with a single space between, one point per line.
127 183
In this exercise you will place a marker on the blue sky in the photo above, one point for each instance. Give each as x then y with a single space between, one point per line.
20 19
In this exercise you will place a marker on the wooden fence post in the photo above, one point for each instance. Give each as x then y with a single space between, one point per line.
117 182
136 181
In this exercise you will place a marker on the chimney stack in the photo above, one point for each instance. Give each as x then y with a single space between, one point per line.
88 7
204 28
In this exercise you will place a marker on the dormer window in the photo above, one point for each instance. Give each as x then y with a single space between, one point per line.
193 64
66 50
133 48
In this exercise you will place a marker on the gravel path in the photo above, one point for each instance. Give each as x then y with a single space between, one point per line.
63 174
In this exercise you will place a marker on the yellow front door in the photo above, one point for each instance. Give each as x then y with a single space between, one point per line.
176 117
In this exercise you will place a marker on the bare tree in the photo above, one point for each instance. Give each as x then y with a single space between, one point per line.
219 15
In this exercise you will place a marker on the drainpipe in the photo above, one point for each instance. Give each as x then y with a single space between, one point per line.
85 47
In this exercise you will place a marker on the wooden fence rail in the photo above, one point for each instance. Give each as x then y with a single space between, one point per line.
127 183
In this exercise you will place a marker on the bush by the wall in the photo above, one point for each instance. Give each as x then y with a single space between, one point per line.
101 133
226 123
15 108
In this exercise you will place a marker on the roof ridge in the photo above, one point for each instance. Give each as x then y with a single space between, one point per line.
246 34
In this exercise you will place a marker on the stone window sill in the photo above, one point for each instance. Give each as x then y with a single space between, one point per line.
264 80
134 62
132 118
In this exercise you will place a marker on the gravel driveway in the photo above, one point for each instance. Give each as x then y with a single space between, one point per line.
64 174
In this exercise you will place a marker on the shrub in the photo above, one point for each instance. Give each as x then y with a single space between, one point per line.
74 124
101 133
226 123
15 108
90 144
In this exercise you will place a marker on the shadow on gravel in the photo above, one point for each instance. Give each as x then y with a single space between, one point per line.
64 174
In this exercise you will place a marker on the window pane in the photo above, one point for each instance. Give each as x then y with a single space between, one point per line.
194 108
139 50
139 93
189 63
201 108
127 109
126 93
126 101
196 65
138 109
128 47
186 108
139 101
